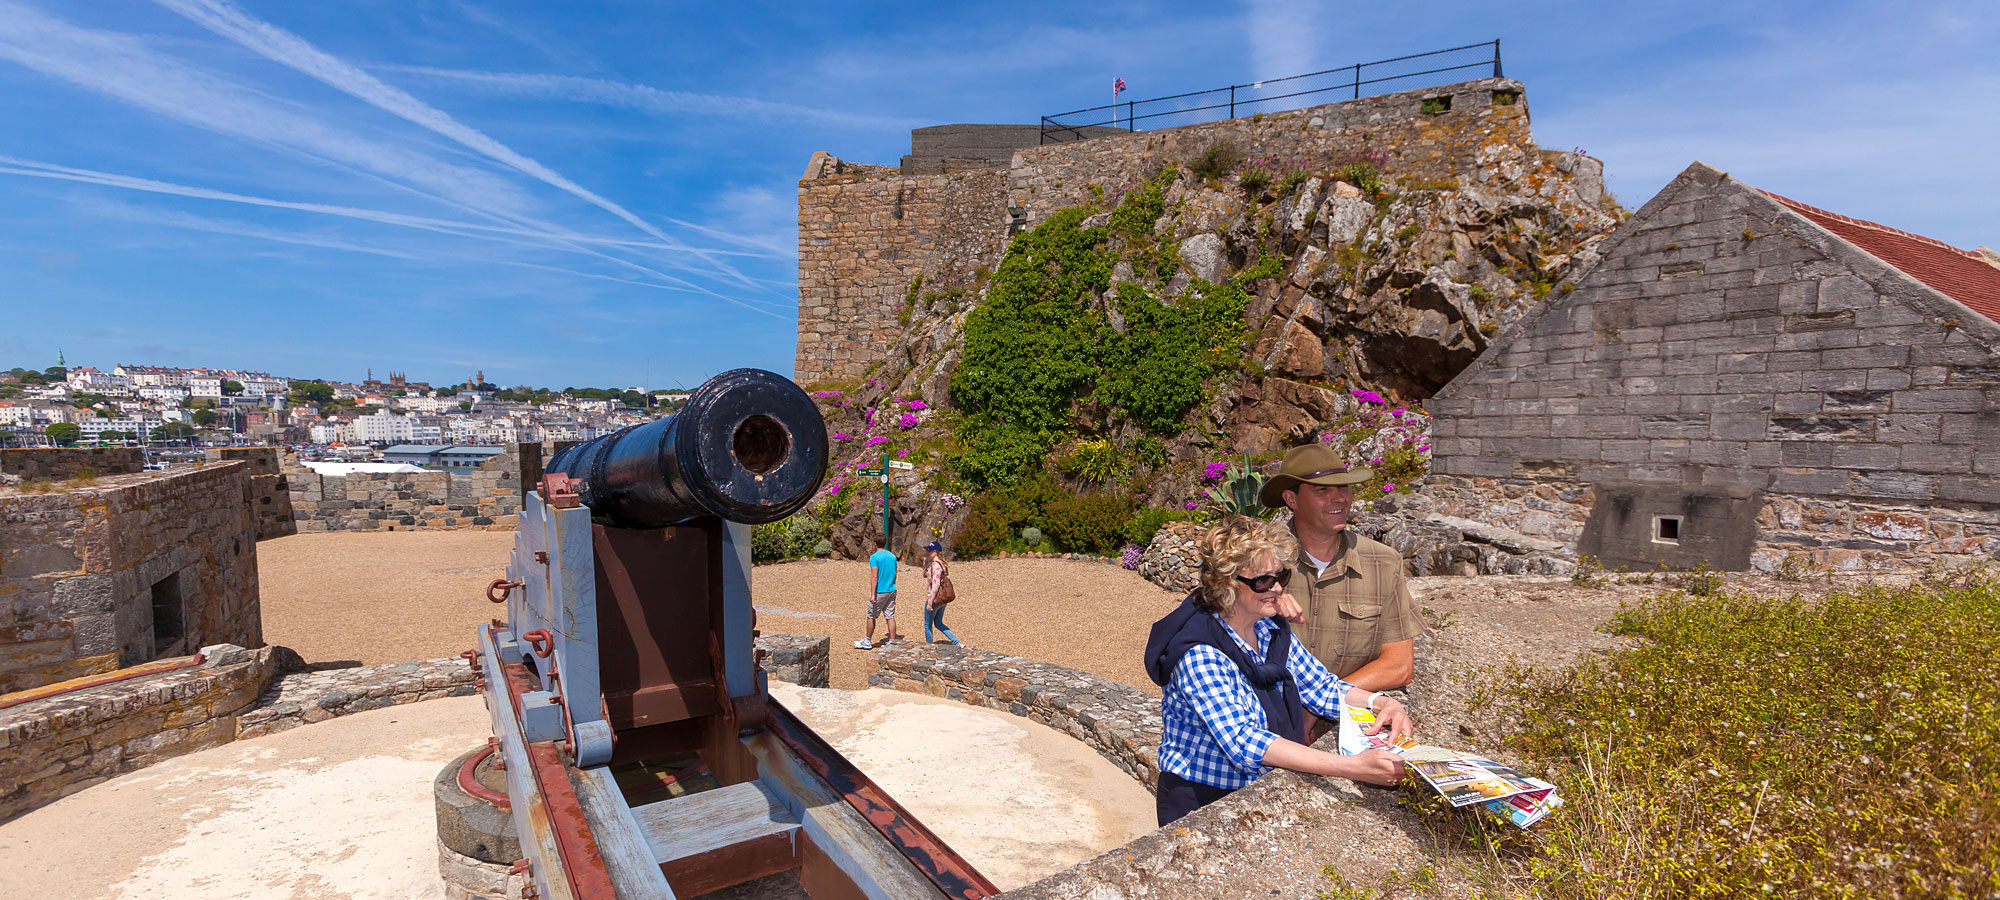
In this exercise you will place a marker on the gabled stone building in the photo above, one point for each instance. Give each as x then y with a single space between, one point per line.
1743 378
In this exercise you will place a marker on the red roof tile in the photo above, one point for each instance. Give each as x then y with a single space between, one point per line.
1959 274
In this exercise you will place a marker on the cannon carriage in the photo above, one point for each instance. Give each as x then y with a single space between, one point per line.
626 661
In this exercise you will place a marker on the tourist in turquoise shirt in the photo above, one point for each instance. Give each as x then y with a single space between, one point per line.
882 604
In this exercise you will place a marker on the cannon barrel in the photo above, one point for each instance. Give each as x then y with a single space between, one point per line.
748 446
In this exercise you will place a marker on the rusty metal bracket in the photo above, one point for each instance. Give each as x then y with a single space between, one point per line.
559 491
468 780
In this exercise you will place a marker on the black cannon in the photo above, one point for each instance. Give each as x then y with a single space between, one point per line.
748 446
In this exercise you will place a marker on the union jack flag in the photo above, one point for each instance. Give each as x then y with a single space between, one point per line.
1117 87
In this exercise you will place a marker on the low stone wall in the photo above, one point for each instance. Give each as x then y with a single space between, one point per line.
57 463
1120 722
487 498
55 747
303 698
800 659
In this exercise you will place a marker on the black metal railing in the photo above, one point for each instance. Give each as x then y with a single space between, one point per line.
1244 99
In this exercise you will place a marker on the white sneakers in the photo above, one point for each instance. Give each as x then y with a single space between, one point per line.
864 644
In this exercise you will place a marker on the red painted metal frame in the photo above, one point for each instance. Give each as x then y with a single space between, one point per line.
468 781
939 863
582 862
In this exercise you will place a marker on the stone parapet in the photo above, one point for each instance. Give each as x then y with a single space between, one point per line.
303 698
466 878
57 463
796 658
487 498
1120 722
54 747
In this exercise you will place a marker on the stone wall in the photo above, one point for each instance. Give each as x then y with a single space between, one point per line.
1120 722
1734 365
867 232
58 463
124 570
1437 145
55 747
265 489
864 238
488 497
800 659
302 698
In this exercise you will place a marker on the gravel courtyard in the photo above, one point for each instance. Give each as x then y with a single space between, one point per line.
381 597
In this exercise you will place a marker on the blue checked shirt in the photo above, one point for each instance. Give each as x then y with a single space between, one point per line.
1215 731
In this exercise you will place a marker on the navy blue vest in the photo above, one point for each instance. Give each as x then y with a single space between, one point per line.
1188 625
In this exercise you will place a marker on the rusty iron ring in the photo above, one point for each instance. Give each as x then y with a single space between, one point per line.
541 641
503 586
469 782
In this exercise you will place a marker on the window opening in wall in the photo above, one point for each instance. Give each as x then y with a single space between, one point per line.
1666 529
167 612
1435 105
1505 98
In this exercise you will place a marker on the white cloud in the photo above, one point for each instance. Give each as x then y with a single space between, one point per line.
285 48
123 68
647 99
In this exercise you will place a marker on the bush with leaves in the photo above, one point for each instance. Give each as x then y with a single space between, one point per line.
1088 523
1096 461
1147 522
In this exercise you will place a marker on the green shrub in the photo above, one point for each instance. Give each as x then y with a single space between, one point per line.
1032 536
1148 521
1088 523
1094 461
1255 181
823 548
1834 746
767 542
1701 581
1157 370
993 518
790 538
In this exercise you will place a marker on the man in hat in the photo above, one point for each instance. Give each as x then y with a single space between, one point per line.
1355 611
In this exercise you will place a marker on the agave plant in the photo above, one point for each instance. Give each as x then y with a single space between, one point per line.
1237 494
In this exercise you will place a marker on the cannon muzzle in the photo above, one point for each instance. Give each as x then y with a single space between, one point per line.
748 446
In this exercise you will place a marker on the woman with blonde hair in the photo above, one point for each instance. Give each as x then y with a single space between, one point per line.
1236 686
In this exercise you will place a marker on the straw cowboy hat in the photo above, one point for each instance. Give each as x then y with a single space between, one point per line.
1310 464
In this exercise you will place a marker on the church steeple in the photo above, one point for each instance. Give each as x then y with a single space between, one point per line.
59 360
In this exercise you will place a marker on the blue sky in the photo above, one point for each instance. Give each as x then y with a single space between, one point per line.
569 194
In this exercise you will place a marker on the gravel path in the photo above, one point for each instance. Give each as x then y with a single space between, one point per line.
384 597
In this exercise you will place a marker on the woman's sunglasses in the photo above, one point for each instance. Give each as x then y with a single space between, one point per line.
1263 583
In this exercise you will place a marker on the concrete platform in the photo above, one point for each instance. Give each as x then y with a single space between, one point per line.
339 810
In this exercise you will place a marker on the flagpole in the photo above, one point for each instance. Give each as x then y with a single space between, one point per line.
1114 103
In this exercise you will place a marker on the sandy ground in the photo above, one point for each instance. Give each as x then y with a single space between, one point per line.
1018 800
340 810
385 597
379 597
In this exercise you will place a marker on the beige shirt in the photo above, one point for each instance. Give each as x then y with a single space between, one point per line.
1360 602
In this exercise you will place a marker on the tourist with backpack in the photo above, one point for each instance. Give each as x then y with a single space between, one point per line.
938 576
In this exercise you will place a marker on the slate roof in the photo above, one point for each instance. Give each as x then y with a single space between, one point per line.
1962 275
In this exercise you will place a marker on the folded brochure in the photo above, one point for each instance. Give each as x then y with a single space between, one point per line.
1462 778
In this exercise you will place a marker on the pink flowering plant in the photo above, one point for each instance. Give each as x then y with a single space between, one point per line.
1394 441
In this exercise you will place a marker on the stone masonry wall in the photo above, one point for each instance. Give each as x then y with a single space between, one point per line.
864 238
488 497
1437 145
1726 354
57 463
265 489
800 659
83 571
55 747
867 232
1120 722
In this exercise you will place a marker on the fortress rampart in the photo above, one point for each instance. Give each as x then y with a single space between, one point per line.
867 233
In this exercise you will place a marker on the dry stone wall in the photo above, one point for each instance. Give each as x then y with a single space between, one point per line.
1733 365
1120 722
265 489
487 498
124 570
